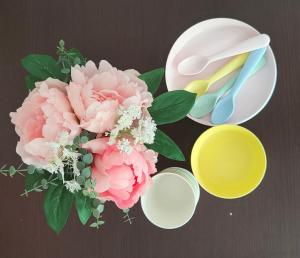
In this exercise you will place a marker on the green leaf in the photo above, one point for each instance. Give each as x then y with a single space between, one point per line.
172 106
86 172
80 180
33 180
96 203
83 207
96 213
76 140
12 171
94 225
100 208
87 158
75 53
42 66
77 61
61 43
57 206
65 70
80 165
153 79
30 81
30 169
164 145
84 139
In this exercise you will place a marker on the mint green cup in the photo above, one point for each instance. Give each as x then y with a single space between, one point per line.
172 199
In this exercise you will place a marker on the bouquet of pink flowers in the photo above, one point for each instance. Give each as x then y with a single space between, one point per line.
88 134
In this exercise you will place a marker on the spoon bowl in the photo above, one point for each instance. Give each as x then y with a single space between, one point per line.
204 104
190 65
201 86
225 107
225 110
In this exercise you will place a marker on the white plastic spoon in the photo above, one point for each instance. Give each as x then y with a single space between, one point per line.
196 63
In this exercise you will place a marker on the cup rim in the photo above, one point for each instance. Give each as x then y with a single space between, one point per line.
188 176
188 217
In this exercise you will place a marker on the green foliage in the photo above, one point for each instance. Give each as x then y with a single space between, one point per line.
31 169
33 180
87 158
80 165
39 181
68 58
153 79
86 172
97 224
84 139
164 145
42 67
172 106
127 217
84 206
97 211
57 206
12 170
30 81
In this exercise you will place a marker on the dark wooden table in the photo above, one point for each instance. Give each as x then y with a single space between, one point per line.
139 34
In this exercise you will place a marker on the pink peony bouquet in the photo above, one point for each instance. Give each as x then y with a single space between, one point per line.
88 134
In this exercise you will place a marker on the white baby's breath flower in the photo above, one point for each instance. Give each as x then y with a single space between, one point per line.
62 156
124 146
145 131
125 121
72 186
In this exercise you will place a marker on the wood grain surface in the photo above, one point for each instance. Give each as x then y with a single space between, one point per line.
139 34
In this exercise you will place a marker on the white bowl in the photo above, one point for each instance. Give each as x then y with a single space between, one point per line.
212 36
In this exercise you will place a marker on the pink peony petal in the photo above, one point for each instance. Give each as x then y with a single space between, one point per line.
77 76
97 146
74 91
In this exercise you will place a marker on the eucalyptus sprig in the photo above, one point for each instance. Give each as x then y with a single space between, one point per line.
127 216
12 170
97 214
41 185
68 58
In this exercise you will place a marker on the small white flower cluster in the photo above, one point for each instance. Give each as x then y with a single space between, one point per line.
63 157
124 145
145 132
132 123
72 186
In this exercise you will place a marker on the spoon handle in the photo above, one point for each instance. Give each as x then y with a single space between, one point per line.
256 42
248 68
228 68
227 86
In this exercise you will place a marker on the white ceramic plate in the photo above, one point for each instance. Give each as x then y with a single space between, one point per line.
212 36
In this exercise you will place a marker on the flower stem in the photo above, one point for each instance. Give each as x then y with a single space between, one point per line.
37 187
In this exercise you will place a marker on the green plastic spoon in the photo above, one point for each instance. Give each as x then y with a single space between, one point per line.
204 104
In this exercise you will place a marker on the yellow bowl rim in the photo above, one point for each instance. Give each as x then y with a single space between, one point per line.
217 128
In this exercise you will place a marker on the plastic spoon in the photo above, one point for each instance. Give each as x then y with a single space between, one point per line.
205 104
201 86
196 63
225 107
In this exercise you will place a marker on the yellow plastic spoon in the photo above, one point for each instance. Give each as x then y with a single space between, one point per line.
201 86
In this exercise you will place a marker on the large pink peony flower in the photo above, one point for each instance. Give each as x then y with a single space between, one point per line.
121 177
45 114
95 94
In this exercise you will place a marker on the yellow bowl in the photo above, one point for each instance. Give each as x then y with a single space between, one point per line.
228 161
